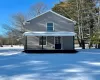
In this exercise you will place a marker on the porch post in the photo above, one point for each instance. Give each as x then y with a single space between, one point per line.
42 42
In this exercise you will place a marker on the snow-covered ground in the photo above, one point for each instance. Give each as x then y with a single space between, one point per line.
16 65
8 50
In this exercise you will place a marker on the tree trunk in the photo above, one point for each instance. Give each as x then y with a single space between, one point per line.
90 44
83 44
79 41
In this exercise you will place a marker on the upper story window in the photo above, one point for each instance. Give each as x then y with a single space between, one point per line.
50 27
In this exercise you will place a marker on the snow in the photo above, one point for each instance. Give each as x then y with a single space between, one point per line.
62 33
16 65
8 50
74 70
9 47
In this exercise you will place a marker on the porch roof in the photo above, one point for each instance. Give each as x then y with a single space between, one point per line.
63 33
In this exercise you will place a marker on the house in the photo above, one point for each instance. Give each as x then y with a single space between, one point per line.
49 31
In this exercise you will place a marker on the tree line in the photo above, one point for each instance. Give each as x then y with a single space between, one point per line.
87 15
14 32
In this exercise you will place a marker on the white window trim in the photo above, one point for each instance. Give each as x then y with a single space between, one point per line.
47 26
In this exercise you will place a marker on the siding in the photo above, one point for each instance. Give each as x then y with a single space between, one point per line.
68 43
33 43
60 24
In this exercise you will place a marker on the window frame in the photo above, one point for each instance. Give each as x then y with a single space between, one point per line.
47 26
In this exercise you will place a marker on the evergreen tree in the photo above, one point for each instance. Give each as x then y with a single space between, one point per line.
83 12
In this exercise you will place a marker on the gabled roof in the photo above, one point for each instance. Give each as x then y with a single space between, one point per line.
55 14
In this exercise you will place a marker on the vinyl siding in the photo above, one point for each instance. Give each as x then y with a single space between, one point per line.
40 23
68 43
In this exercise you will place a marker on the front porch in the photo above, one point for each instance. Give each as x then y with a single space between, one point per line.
52 42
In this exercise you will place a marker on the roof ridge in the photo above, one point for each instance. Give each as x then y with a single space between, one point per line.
55 14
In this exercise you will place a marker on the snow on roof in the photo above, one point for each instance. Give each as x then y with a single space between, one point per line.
49 33
55 14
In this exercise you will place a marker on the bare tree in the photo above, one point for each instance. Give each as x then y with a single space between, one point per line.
37 8
7 27
78 22
18 21
10 36
1 41
11 33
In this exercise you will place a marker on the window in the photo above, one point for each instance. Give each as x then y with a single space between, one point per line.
44 40
50 27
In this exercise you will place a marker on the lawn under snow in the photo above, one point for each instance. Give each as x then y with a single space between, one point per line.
16 65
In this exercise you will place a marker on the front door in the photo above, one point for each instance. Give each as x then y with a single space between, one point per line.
58 42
